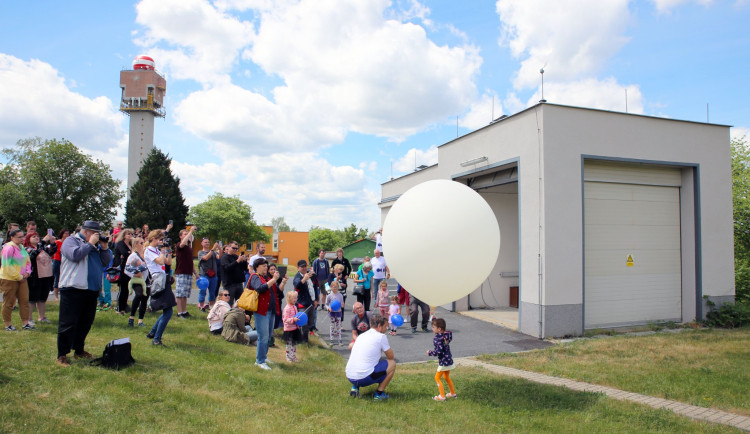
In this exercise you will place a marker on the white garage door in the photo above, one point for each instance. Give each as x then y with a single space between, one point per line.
632 245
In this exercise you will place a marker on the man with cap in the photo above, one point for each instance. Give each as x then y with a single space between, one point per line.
83 260
307 296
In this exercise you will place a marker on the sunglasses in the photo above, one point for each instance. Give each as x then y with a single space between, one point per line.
235 248
225 295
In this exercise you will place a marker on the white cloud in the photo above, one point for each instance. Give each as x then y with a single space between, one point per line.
605 94
343 66
303 188
480 113
37 101
666 6
740 132
573 38
207 40
415 158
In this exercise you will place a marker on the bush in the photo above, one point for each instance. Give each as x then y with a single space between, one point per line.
742 280
729 315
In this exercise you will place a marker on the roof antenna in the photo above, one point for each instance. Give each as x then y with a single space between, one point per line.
541 71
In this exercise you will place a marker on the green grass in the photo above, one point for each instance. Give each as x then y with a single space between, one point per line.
199 383
704 367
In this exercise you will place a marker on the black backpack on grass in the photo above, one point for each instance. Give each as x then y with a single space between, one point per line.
116 355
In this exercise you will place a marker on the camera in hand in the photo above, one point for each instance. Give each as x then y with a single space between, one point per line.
166 242
103 238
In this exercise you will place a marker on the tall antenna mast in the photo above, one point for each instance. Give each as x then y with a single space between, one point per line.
626 100
541 71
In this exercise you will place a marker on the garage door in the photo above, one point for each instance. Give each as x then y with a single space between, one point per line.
632 244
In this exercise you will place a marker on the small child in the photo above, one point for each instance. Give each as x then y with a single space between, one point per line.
442 350
292 334
383 298
394 309
335 315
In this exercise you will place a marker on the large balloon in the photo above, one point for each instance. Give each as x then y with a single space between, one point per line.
443 241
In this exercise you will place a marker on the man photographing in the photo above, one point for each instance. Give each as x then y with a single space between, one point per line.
83 259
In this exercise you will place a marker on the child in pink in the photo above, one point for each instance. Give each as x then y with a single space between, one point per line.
393 309
383 299
292 334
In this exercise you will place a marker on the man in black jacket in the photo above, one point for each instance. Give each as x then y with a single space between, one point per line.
233 271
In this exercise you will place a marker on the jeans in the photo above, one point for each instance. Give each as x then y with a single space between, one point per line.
158 329
251 334
213 283
56 271
105 296
415 305
77 313
264 327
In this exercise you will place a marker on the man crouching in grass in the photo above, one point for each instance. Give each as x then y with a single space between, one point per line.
364 366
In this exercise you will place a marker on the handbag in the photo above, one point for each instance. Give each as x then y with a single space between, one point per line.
359 290
248 300
210 272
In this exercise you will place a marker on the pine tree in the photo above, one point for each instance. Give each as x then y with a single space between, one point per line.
155 198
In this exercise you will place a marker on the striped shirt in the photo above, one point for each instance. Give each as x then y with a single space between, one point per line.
15 262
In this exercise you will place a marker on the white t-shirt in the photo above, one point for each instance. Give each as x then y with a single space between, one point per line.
252 259
132 259
378 267
366 354
150 255
379 242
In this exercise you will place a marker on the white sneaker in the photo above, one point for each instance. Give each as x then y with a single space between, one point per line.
263 366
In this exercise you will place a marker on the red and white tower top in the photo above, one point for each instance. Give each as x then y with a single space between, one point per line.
143 62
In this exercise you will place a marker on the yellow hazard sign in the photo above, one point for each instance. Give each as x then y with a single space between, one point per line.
629 262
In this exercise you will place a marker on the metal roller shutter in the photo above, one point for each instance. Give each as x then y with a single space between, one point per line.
632 245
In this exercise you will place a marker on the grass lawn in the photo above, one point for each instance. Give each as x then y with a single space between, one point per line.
199 383
704 367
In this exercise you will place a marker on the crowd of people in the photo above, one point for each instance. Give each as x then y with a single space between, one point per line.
76 267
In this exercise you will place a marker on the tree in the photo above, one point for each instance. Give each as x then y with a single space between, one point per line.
741 205
57 185
279 225
351 234
323 238
226 218
155 198
332 239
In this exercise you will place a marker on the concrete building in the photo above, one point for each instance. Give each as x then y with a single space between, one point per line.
606 219
142 99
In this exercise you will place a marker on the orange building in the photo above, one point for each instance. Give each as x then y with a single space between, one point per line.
284 248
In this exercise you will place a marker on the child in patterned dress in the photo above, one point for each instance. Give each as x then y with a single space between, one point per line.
335 315
442 350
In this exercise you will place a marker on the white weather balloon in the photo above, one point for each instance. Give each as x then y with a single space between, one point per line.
442 241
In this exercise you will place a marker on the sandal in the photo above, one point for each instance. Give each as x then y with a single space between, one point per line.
438 398
450 395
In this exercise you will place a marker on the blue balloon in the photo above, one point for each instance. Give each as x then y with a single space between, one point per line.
335 306
397 320
302 319
202 282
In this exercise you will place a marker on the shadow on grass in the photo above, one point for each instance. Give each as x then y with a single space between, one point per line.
522 395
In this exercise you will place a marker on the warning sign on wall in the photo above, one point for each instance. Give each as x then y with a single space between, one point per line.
629 262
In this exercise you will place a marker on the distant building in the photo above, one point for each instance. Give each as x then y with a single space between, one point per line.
283 248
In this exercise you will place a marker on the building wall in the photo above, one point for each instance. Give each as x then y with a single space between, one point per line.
359 249
548 143
570 133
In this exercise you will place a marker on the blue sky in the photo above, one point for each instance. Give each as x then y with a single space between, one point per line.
303 108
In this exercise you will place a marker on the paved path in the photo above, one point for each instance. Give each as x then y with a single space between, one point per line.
692 411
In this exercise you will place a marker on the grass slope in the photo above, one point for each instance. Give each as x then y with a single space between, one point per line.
199 383
704 367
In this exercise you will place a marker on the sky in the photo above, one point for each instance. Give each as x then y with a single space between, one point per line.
303 108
